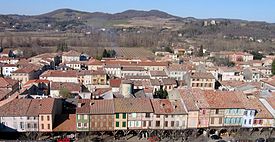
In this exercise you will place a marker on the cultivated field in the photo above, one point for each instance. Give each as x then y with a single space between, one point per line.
132 52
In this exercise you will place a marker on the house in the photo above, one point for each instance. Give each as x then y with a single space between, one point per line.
130 114
265 71
133 71
187 99
77 65
19 118
251 74
94 64
202 80
115 84
92 79
82 115
227 111
48 109
102 93
102 115
230 73
25 74
8 60
36 89
53 59
269 103
233 56
176 71
10 84
263 118
60 76
29 115
7 69
157 74
70 56
56 87
8 87
113 70
169 115
168 84
268 84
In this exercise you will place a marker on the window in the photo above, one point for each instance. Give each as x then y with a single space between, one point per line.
147 115
220 120
85 125
117 124
212 120
158 116
217 111
261 122
245 113
42 126
177 123
203 111
85 117
166 124
245 121
134 115
35 125
157 123
48 118
172 123
42 118
166 116
144 123
150 123
124 116
49 126
251 113
117 115
21 125
123 124
28 125
78 117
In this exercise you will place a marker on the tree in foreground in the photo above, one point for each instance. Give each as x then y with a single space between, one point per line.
65 93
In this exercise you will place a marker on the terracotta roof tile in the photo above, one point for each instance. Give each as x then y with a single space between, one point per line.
115 82
165 106
102 107
59 73
133 105
65 123
72 87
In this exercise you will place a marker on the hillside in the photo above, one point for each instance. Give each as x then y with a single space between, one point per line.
136 28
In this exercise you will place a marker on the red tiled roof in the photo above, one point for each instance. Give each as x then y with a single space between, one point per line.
165 106
115 82
84 108
202 75
24 70
102 107
66 123
224 99
59 73
72 87
46 106
100 91
71 53
34 81
7 82
132 105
